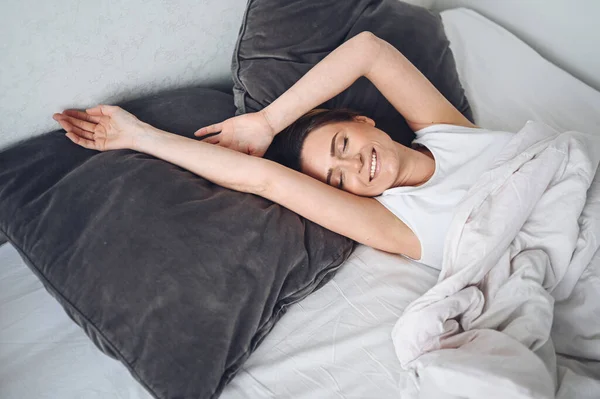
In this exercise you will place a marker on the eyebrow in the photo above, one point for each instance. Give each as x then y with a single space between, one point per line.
332 152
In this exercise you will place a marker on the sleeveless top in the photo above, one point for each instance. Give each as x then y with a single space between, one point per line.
461 155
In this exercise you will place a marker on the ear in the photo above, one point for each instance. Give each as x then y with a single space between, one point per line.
365 119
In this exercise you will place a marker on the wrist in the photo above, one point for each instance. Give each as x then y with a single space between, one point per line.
265 113
142 134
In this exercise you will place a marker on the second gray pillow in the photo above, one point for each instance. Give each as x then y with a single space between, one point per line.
278 44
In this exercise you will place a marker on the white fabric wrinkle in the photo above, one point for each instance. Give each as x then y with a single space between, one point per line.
521 237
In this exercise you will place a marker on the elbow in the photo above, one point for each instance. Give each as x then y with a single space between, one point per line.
367 37
368 43
369 46
397 248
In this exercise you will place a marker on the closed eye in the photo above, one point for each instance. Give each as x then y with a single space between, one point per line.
345 144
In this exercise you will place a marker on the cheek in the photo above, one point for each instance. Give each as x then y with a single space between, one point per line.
391 162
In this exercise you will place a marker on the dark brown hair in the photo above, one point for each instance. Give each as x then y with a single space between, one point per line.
286 147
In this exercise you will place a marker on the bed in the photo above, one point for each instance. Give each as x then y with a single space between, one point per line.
336 342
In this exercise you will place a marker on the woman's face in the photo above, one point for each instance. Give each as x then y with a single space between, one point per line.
354 156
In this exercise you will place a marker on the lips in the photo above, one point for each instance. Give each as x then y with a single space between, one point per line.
373 170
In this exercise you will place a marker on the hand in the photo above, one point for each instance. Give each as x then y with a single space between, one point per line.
102 128
249 133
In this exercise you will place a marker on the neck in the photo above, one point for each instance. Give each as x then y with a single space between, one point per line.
415 169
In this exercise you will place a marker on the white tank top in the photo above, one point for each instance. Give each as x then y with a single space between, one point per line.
461 155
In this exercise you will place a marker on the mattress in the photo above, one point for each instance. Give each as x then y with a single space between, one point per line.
335 343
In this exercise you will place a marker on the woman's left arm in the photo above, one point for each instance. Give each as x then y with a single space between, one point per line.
107 127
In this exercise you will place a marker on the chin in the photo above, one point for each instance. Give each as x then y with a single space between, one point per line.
375 193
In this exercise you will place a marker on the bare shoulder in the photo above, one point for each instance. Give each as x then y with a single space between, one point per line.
416 126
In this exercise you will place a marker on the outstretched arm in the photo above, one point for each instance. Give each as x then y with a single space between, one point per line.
222 166
107 127
362 219
402 84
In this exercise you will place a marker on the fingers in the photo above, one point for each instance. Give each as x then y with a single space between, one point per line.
82 124
99 110
216 139
217 127
81 141
74 129
81 115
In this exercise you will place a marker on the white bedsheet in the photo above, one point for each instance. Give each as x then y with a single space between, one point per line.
337 342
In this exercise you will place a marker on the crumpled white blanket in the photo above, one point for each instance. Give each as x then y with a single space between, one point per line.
519 240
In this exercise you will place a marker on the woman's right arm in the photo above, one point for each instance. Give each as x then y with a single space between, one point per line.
362 219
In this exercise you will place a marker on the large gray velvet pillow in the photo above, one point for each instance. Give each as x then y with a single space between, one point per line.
280 41
174 276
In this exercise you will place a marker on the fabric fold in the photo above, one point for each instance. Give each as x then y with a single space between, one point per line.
526 229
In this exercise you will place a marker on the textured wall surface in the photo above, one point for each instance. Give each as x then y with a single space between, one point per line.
60 54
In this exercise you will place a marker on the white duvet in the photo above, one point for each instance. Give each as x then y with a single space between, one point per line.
521 240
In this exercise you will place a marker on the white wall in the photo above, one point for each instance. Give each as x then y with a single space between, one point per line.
64 53
59 54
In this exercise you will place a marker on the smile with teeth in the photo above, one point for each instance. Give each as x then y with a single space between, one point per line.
373 164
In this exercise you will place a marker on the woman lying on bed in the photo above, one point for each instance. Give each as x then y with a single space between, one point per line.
355 180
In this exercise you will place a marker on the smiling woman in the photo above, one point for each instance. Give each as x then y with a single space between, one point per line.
348 175
355 156
344 149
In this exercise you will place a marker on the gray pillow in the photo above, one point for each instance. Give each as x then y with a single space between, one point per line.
279 43
174 276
